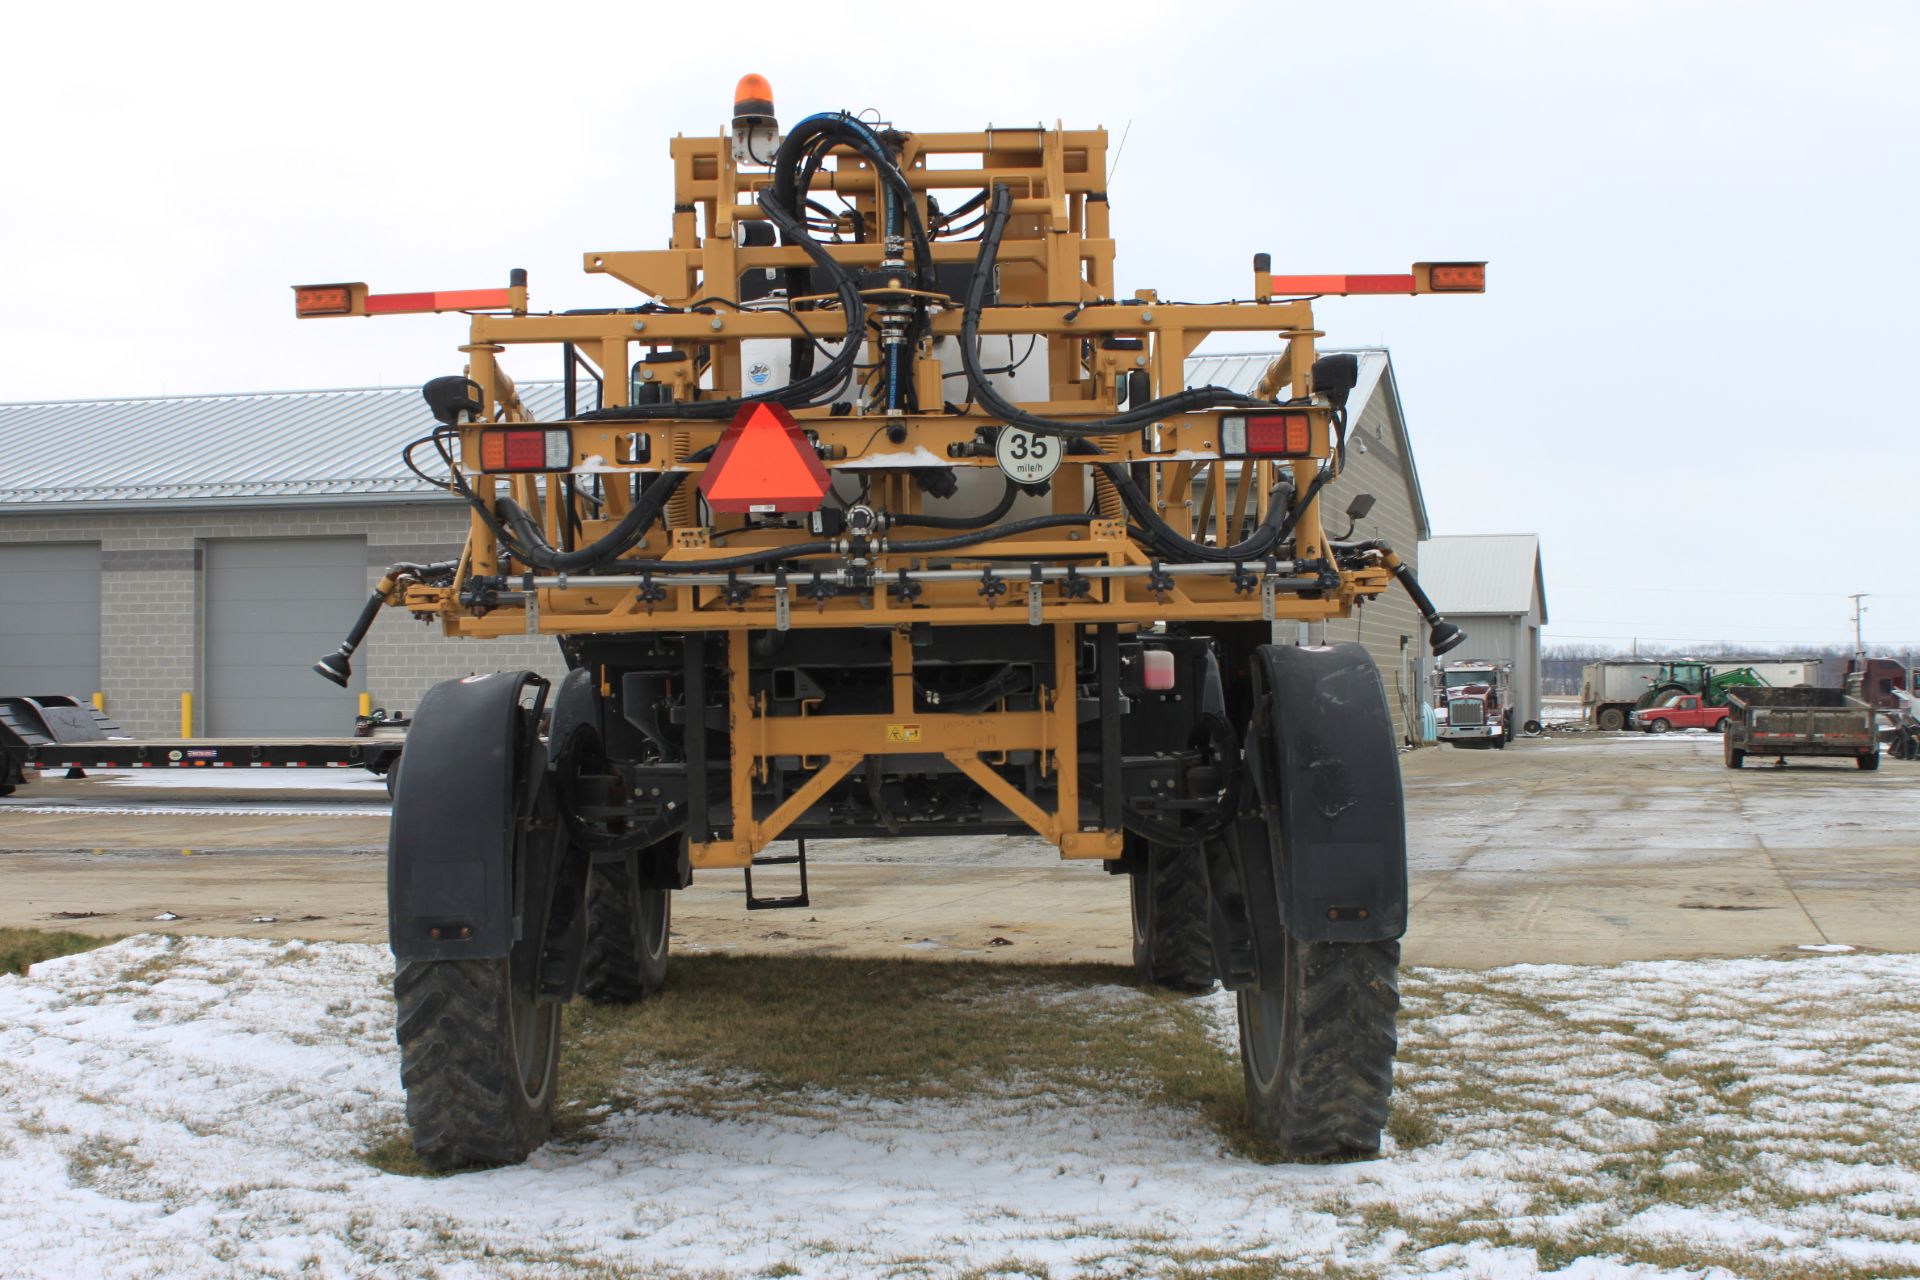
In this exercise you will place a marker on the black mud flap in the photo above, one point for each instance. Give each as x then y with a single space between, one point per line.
1322 757
450 848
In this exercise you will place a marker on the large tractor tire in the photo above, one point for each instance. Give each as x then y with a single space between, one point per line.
486 914
478 1057
1317 1047
1172 943
627 931
1317 1038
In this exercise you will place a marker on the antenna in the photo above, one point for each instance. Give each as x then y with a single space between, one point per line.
1114 164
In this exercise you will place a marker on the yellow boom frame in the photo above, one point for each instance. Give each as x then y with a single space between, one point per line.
1057 258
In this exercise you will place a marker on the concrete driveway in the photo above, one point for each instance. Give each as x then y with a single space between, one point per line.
1579 849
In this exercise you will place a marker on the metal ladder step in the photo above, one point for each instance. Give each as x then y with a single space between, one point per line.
780 860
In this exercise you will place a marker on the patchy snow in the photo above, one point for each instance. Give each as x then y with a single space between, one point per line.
190 1107
918 456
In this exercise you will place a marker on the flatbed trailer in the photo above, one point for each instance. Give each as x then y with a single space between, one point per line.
57 732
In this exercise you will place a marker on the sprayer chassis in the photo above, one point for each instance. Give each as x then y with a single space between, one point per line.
1104 676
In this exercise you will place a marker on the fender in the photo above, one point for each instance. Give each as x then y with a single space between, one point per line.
451 843
1327 773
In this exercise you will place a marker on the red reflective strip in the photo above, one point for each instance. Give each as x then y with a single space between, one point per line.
1338 284
387 304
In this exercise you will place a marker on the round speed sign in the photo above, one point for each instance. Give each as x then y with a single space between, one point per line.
1026 456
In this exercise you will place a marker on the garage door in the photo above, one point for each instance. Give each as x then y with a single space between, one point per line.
273 606
50 619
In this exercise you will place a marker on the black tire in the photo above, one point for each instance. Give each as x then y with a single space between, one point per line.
1659 726
627 938
1531 727
478 1057
1613 719
1317 1052
1870 761
1735 758
1172 942
1720 725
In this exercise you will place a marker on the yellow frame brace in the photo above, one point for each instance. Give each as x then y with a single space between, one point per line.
847 741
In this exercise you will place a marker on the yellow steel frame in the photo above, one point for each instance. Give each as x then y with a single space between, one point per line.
843 742
1056 259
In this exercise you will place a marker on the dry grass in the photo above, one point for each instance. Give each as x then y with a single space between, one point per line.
21 949
793 1033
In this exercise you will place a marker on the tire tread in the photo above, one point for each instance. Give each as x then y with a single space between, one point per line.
464 1101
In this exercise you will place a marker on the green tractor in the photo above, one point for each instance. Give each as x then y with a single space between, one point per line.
1698 677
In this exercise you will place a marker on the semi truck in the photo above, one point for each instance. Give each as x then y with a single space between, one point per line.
1474 703
865 519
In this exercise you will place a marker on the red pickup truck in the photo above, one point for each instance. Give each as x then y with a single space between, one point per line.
1680 711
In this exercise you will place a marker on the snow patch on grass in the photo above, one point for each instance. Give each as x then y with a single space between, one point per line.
205 1106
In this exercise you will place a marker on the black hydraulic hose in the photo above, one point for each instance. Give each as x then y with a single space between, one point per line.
1441 634
923 546
794 550
845 127
997 511
529 544
338 665
814 389
1171 543
994 403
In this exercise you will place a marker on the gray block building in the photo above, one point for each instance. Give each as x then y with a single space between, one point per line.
217 545
1493 585
1380 463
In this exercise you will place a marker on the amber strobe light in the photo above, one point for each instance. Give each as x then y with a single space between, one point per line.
322 300
1457 277
525 449
1271 435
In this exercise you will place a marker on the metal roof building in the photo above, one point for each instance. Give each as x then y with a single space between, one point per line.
215 545
1494 586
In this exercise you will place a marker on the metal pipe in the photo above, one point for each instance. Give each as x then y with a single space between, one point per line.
1012 572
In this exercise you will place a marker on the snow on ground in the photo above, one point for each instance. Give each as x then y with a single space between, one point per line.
343 779
189 1107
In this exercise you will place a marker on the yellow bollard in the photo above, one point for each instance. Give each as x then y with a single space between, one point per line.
366 704
99 701
186 715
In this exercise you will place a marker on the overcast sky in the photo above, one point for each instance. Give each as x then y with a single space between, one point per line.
1691 373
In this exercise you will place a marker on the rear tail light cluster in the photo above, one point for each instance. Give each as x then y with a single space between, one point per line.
526 449
1269 435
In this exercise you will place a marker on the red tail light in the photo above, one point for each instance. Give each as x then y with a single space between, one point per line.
1271 435
526 449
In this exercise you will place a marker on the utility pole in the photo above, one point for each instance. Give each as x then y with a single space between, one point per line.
1859 646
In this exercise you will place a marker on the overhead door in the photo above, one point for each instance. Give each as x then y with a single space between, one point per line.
273 607
50 619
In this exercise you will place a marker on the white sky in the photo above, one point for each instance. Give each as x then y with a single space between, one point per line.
1689 374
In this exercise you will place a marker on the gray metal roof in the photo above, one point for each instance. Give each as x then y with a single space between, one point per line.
1484 573
253 448
274 447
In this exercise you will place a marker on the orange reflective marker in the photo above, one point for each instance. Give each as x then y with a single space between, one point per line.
764 463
